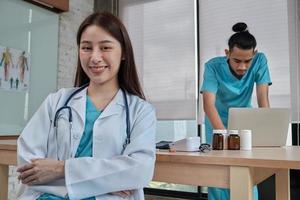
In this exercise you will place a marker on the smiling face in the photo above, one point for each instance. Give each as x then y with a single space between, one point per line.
240 59
100 56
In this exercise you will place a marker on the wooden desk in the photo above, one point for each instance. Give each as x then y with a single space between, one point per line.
8 156
237 170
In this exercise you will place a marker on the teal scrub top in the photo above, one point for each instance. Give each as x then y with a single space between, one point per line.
85 148
229 90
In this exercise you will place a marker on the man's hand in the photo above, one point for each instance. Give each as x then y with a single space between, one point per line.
41 171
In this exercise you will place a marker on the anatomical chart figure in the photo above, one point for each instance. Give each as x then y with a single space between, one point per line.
14 69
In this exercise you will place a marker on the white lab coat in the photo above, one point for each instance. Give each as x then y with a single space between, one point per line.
108 170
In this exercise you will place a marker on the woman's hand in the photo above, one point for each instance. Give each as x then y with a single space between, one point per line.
123 194
41 171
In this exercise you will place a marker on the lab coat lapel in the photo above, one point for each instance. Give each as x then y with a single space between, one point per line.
115 106
78 104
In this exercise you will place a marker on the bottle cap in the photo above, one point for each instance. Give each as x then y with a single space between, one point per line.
246 131
234 132
222 131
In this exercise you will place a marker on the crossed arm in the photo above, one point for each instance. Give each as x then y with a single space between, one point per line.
41 171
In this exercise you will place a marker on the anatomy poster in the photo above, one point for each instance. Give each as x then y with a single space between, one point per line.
14 69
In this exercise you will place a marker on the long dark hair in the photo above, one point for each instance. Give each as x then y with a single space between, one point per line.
127 75
242 38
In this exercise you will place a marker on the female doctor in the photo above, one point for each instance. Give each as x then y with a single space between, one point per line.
99 144
229 81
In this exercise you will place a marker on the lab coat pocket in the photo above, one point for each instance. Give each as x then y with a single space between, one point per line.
63 138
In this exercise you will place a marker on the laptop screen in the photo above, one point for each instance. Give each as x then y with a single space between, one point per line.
269 125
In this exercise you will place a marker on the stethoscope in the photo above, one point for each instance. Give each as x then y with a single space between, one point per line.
70 117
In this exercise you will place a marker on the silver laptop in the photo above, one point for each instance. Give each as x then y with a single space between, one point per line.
269 125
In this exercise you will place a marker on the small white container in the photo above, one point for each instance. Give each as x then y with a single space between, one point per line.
246 139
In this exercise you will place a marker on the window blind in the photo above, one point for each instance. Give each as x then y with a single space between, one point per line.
163 37
267 20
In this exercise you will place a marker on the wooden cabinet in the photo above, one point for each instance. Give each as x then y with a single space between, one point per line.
57 6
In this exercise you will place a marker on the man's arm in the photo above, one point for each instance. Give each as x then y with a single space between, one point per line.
262 93
211 111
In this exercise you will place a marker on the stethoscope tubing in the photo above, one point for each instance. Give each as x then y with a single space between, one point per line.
65 106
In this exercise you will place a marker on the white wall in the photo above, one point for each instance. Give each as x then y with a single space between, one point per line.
69 23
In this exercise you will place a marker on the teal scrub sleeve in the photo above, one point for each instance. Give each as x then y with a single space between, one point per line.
210 82
263 75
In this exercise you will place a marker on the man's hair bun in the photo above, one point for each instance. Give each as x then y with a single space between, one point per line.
239 27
